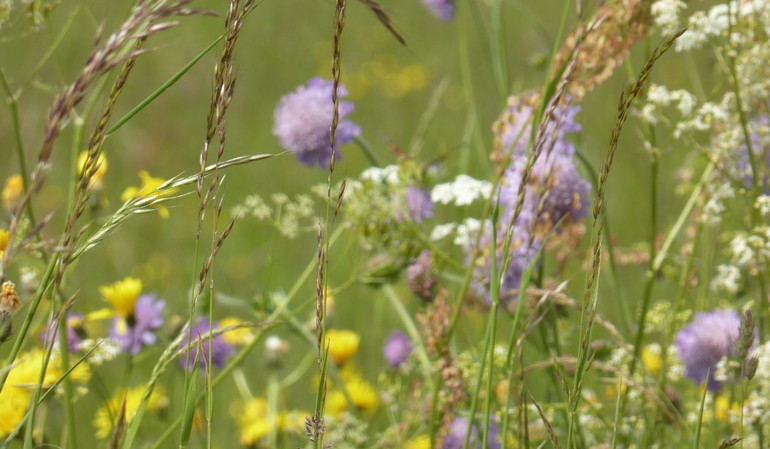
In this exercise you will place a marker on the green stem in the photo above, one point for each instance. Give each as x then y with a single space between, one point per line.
411 329
367 150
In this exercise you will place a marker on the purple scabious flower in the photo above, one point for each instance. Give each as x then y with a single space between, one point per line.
523 252
513 128
444 10
524 248
459 427
703 343
555 182
418 204
220 349
397 349
303 120
75 332
139 329
418 277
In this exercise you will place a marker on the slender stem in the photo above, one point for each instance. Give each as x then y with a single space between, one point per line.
411 329
367 150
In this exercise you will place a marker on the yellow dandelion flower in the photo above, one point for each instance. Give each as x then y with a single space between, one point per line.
420 442
651 359
14 187
292 421
20 384
107 414
4 237
97 180
122 295
343 345
236 337
148 189
336 404
362 396
253 421
13 407
26 371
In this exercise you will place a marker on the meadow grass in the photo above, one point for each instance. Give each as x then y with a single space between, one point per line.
368 225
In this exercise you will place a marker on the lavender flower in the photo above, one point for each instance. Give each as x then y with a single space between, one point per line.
303 122
524 250
418 277
459 427
397 349
220 349
138 330
514 128
702 344
444 10
554 181
75 332
418 204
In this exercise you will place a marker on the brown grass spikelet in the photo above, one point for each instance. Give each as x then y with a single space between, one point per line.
606 43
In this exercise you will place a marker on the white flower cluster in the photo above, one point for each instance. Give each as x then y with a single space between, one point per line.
465 233
748 249
388 175
716 23
727 279
659 97
715 206
763 205
463 191
704 118
667 15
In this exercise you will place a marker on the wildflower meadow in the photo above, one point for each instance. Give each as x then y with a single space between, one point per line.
385 224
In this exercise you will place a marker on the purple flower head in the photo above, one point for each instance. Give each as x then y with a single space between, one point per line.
459 427
524 250
514 127
139 329
703 343
444 10
418 204
75 332
555 182
418 277
303 120
220 349
397 349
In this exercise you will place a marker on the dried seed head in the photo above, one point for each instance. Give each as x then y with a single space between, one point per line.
9 301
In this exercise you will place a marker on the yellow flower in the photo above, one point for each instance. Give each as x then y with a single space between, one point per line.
14 187
651 359
4 237
420 442
236 337
107 414
148 191
255 422
13 407
723 409
122 295
97 179
25 374
343 345
362 396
